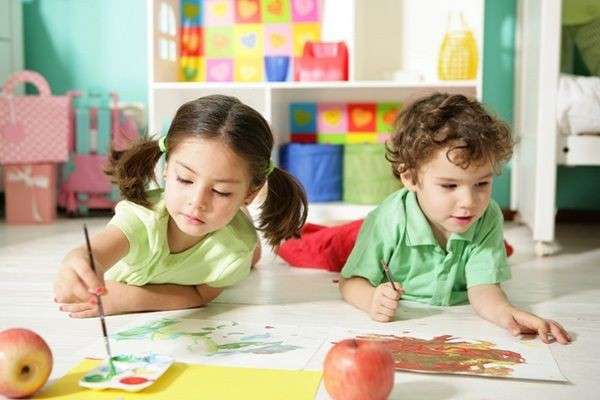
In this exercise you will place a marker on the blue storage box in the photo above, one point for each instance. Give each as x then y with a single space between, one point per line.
317 166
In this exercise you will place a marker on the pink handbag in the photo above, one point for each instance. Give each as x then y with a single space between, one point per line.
33 129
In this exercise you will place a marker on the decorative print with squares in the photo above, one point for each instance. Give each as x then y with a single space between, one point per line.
342 123
245 40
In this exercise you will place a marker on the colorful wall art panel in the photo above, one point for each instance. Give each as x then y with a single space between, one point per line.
303 122
343 123
192 41
247 11
265 34
386 115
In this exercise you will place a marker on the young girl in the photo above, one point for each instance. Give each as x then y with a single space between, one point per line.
179 247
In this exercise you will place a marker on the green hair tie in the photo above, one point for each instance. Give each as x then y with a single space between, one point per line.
271 167
162 144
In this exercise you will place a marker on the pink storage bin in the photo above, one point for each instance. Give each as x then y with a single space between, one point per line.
30 193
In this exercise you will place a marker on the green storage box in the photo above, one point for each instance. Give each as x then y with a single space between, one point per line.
368 177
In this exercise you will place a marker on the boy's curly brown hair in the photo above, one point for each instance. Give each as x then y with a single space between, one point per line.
459 124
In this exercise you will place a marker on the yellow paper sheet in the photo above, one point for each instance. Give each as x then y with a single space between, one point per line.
182 381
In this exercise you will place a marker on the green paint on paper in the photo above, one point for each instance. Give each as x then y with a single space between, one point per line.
206 341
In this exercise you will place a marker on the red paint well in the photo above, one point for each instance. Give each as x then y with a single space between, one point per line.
133 380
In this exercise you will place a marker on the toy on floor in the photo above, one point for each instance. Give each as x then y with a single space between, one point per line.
100 126
325 247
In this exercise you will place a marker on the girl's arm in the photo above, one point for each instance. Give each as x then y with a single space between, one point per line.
490 302
76 280
122 298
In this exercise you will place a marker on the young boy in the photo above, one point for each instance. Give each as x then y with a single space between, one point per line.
441 235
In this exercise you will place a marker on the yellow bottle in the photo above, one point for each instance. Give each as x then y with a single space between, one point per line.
458 56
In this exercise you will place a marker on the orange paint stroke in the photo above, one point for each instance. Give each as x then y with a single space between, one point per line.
443 354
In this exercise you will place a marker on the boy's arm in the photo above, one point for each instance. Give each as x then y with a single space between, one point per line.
122 298
379 302
358 292
490 302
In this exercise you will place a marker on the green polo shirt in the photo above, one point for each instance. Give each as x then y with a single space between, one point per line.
398 232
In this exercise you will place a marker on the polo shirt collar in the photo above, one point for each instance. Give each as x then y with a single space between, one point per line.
418 230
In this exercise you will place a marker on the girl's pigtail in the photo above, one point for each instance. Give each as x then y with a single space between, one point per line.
284 211
131 170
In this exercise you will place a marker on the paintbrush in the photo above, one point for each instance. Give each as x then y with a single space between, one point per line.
388 275
111 367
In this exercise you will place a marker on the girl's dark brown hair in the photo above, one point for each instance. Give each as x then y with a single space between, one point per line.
247 133
453 122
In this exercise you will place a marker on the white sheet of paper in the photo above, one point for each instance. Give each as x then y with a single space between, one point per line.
538 362
227 343
212 342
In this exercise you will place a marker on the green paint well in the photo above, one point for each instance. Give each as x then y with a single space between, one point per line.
97 378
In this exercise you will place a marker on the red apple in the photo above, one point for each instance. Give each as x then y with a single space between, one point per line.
361 370
25 362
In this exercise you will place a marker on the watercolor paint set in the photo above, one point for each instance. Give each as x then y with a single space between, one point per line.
131 373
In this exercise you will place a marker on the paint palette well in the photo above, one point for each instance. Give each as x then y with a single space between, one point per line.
132 372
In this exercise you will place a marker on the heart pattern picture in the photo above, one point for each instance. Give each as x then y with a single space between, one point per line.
343 123
213 31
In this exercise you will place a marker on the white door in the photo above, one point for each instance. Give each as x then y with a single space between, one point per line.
11 45
537 70
11 38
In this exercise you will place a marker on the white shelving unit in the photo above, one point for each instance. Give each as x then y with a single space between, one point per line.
380 40
272 98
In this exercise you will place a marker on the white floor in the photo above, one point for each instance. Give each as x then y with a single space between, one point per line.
565 287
